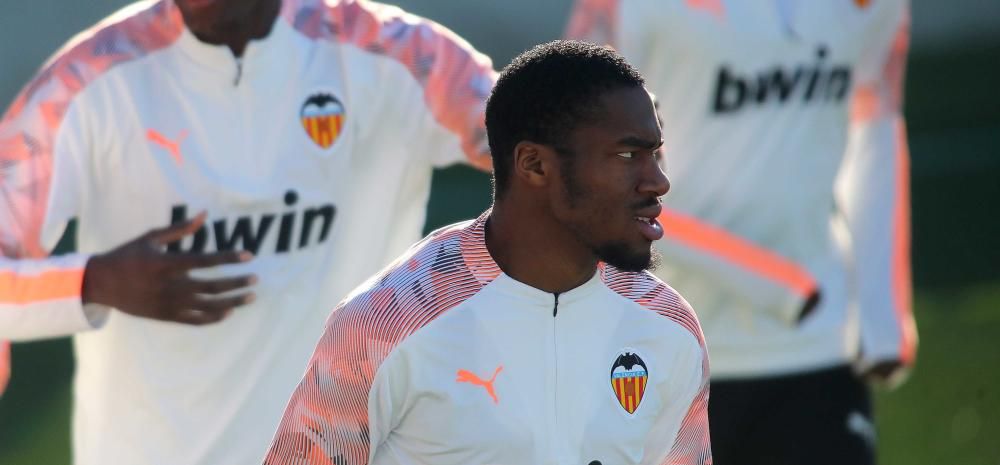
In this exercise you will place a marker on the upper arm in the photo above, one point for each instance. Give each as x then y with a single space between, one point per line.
879 93
595 21
454 91
688 417
630 26
445 110
44 139
42 142
329 418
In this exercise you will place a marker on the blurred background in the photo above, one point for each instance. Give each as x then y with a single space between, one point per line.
949 411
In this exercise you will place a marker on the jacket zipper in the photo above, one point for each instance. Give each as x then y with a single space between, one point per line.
555 378
239 71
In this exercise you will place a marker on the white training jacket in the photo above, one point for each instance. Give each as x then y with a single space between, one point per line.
443 359
786 147
314 151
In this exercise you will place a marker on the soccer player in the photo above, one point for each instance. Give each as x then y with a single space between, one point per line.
504 339
307 131
790 232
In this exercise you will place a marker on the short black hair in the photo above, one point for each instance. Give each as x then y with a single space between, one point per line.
545 93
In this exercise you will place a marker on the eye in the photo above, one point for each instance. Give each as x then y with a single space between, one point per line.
627 155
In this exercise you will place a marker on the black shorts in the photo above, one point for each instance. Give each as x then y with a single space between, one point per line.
814 418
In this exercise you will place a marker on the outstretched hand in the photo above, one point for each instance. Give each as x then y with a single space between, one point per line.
140 278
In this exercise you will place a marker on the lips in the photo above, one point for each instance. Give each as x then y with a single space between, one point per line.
646 220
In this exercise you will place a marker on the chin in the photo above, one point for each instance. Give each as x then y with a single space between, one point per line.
625 258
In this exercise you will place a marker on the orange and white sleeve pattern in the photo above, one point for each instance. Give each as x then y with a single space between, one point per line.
693 444
39 179
749 270
44 145
454 79
595 21
41 298
603 22
327 418
35 145
344 407
874 190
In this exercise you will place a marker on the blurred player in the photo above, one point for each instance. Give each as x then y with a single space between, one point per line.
501 340
306 129
790 230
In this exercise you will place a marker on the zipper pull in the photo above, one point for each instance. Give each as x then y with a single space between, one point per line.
239 71
555 309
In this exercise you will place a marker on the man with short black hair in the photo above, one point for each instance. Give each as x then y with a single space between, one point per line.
506 339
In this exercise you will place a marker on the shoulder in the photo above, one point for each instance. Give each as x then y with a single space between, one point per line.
125 36
654 295
431 278
375 27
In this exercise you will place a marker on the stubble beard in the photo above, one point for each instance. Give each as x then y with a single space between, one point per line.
615 253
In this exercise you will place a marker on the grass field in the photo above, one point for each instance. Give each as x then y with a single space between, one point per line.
947 414
949 411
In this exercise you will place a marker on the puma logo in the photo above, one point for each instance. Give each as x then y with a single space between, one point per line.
174 147
466 376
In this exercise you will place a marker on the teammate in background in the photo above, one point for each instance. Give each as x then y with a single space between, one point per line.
790 232
502 340
306 129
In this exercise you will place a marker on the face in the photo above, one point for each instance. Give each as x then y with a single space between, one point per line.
212 20
611 181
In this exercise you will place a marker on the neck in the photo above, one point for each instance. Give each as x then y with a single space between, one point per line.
237 31
531 247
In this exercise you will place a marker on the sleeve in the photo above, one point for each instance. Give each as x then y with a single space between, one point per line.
456 81
601 21
42 143
873 190
339 413
41 298
594 21
726 264
692 443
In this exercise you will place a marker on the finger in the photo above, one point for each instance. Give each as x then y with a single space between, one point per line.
176 232
190 261
222 304
199 317
218 286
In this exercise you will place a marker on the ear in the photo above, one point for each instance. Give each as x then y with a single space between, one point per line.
534 163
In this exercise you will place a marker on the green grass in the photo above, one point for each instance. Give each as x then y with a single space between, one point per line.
948 413
42 432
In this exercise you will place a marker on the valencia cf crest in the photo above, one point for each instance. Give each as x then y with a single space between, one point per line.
628 379
322 117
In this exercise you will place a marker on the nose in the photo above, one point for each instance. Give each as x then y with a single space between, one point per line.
654 180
